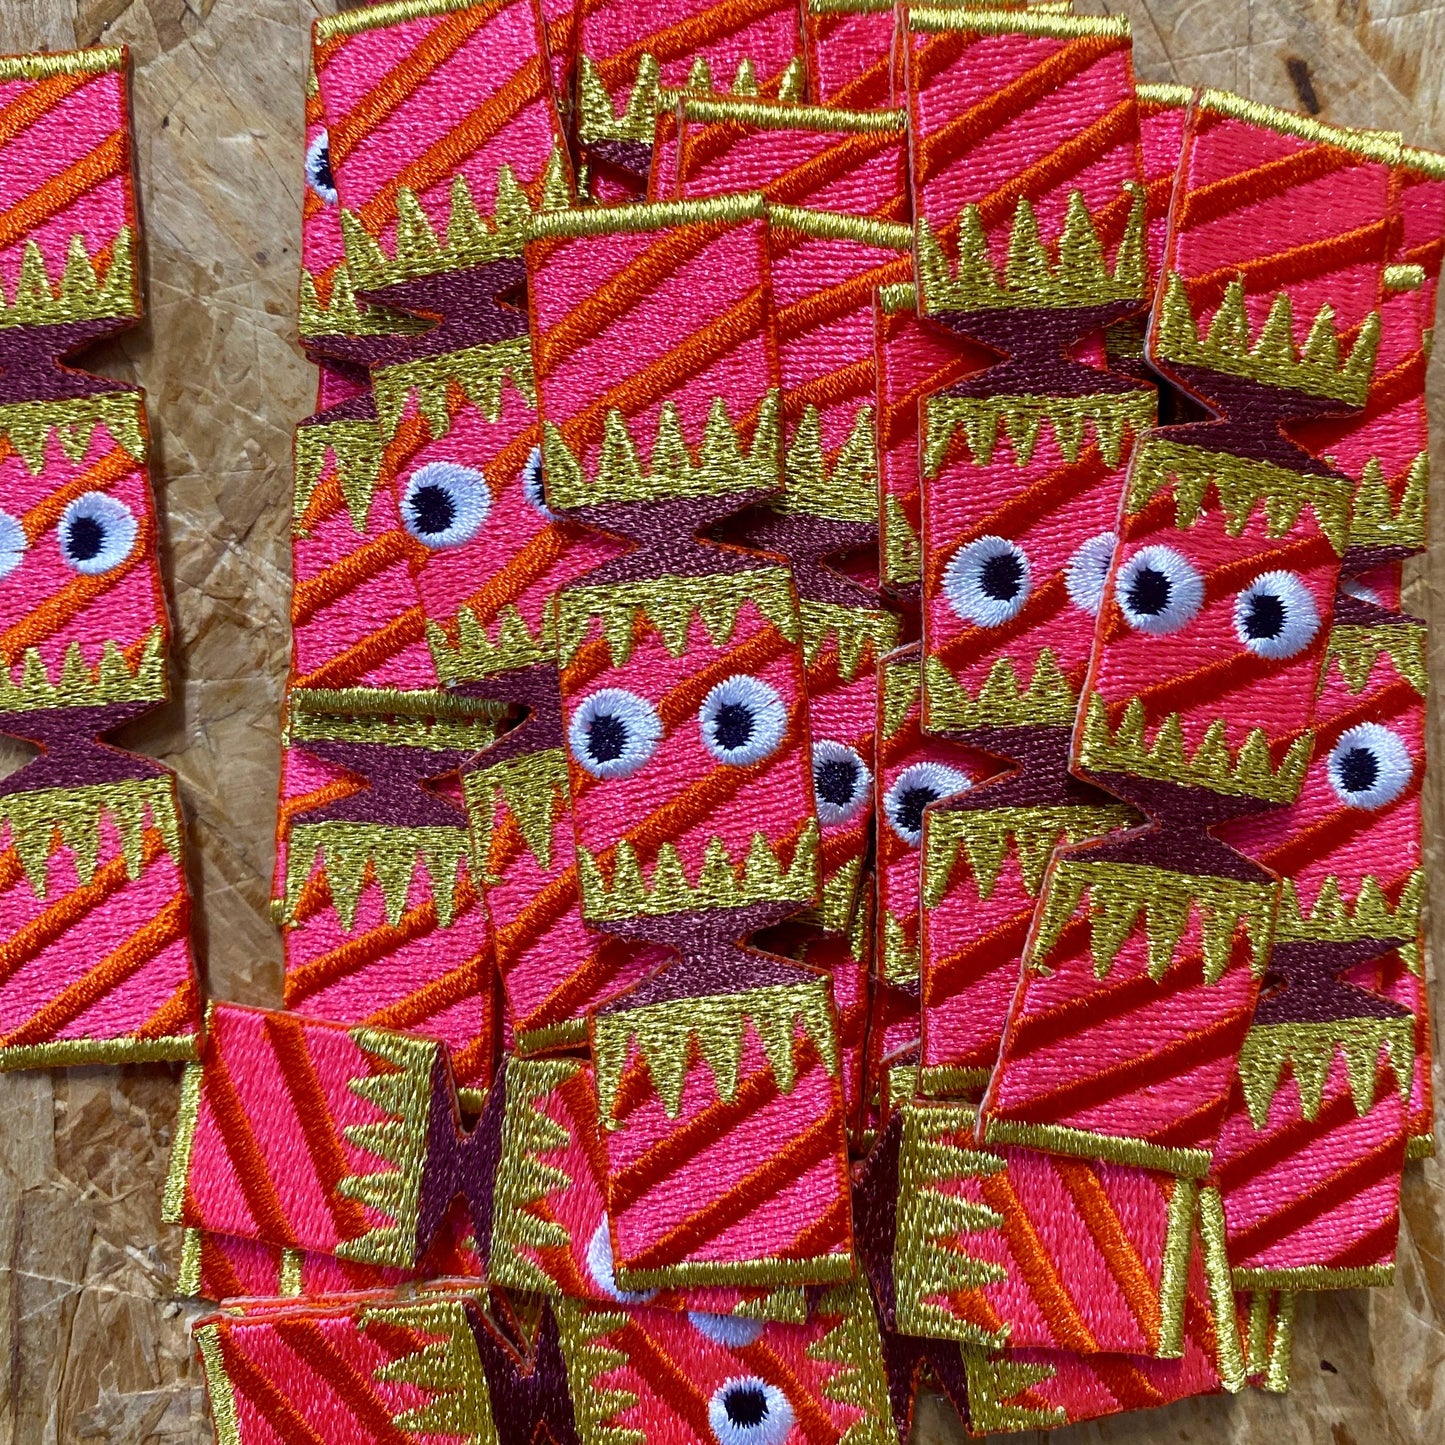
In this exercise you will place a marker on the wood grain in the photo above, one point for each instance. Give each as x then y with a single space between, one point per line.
92 1349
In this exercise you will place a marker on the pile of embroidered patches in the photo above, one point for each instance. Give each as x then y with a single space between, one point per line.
851 800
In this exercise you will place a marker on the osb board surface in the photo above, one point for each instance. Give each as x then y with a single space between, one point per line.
91 1347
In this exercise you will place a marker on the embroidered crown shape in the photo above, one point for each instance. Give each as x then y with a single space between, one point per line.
1107 415
117 678
30 426
81 294
474 654
844 489
1049 700
1378 521
342 314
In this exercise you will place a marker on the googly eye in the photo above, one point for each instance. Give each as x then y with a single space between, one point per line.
614 732
1369 766
532 487
96 533
604 1276
444 505
913 790
1088 572
749 1411
743 720
841 781
318 169
987 582
1158 591
13 543
1275 616
728 1330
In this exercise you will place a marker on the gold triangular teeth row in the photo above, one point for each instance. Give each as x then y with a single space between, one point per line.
32 822
1077 275
474 655
670 605
1309 1048
354 448
902 551
1377 521
854 1345
29 426
1111 417
402 1092
472 239
852 634
1356 651
1241 485
1120 894
352 852
1048 701
844 489
113 679
598 120
724 466
994 1384
533 786
80 295
343 314
1371 915
1229 346
987 836
899 960
448 1369
666 1035
720 884
482 372
589 1357
1249 773
902 679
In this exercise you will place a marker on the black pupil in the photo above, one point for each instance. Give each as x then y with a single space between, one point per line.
733 726
1266 616
1001 577
1149 592
1359 768
746 1405
911 803
433 510
321 170
607 737
835 781
85 538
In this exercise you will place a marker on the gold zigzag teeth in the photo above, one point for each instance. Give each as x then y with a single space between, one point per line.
997 1385
1309 1049
1110 415
112 680
902 551
36 824
1377 521
899 960
354 448
353 852
1048 701
1249 773
80 295
724 466
402 1092
1241 485
475 655
853 634
482 373
670 605
720 884
1120 893
1272 357
854 1345
344 314
590 1361
1356 651
1077 275
533 786
472 239
1333 919
986 837
666 1035
29 426
902 690
844 489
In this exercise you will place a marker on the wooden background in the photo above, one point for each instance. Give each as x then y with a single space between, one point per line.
92 1348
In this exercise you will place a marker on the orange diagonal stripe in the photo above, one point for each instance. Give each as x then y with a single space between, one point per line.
24 217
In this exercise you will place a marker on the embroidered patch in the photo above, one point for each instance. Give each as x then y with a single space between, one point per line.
94 906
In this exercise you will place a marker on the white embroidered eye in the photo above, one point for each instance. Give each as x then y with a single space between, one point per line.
444 504
13 543
1158 590
1369 766
730 1331
743 720
987 582
1088 571
841 781
1275 616
96 533
532 487
318 169
614 732
913 790
749 1411
599 1266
